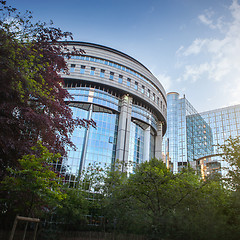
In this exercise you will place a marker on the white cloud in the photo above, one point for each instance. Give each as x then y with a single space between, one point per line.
194 73
179 50
165 80
217 58
196 47
207 19
204 19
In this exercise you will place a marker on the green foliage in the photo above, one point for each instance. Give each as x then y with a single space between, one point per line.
231 150
71 214
32 98
155 202
35 187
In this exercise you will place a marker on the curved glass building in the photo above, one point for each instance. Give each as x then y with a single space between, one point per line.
125 100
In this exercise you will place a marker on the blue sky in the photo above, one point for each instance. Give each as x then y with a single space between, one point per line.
191 46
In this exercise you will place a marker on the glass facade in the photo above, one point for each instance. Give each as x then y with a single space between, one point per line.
199 137
93 145
225 123
195 138
129 127
135 145
101 146
188 136
98 145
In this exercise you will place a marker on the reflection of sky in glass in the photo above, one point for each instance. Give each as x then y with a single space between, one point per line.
135 155
224 122
102 140
144 115
73 160
101 144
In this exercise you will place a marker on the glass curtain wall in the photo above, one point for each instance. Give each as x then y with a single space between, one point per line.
188 136
136 147
225 123
93 145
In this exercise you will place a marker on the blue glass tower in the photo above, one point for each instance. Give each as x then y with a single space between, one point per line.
188 136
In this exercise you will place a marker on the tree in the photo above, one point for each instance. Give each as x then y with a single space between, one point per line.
71 214
158 192
155 202
34 188
231 150
33 102
231 154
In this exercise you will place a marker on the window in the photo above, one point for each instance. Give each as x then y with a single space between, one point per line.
136 86
82 70
148 93
154 97
72 67
102 73
92 71
110 139
111 75
157 100
120 79
143 89
128 82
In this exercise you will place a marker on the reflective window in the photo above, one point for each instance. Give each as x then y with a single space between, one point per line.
144 115
143 89
136 141
101 147
111 75
116 65
148 93
72 68
136 86
100 143
102 73
92 72
120 79
128 82
69 167
154 97
82 70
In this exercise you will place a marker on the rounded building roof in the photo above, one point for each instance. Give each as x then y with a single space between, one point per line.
128 76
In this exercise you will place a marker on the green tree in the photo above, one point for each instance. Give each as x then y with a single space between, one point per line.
34 188
155 202
158 192
71 214
231 150
231 154
33 102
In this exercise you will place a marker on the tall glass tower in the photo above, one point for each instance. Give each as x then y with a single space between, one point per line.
188 136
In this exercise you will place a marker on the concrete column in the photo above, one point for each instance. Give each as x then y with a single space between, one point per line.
124 132
146 146
158 146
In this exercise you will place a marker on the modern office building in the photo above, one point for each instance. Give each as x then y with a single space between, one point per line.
225 123
188 135
125 100
194 138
